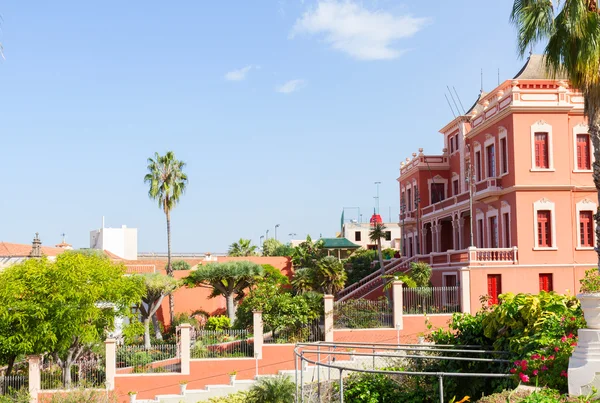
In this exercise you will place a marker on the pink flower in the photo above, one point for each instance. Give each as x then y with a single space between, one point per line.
551 357
563 339
524 365
563 373
556 349
574 344
517 363
544 368
535 356
570 336
513 370
535 372
524 378
572 319
543 358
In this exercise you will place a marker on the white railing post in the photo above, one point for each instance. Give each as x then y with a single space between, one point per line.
514 251
397 297
328 301
472 251
257 325
184 348
35 381
110 346
465 291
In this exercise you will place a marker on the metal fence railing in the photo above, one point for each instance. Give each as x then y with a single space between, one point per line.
221 344
309 332
157 358
362 314
12 384
84 374
421 300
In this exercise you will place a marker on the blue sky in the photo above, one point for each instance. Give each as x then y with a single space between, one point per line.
285 111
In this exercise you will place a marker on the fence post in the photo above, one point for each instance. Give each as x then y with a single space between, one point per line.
328 299
397 297
465 291
35 381
472 251
111 363
514 248
257 324
184 347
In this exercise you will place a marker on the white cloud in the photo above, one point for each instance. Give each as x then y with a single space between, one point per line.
291 86
238 75
351 28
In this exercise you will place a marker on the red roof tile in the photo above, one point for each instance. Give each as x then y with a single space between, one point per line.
23 250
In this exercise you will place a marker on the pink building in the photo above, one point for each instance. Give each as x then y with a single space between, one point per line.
527 223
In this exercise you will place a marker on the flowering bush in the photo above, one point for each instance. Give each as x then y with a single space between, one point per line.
547 366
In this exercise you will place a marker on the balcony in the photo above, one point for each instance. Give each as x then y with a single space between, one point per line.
471 257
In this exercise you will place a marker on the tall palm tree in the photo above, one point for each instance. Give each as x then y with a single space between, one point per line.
167 183
572 31
375 235
243 247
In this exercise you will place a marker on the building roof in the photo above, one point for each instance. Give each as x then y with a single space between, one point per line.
338 243
23 250
535 69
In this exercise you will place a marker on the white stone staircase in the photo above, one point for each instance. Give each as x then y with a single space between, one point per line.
310 374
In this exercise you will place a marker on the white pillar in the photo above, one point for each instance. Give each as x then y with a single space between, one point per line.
465 290
35 381
257 324
397 298
584 364
185 341
111 363
328 301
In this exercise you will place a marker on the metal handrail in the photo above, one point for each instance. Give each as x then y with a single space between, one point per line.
299 353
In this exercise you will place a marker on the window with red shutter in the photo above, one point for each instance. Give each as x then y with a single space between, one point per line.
494 288
586 228
544 228
541 150
504 155
546 282
491 161
478 166
583 152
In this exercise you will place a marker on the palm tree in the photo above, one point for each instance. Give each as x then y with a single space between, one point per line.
572 31
330 275
243 247
375 235
167 183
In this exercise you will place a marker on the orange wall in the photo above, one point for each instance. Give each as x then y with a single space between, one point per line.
188 300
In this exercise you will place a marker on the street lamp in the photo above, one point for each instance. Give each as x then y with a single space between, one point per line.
417 200
276 226
261 240
292 234
402 242
267 234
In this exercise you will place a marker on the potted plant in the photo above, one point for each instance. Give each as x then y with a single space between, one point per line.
182 387
232 375
132 396
589 297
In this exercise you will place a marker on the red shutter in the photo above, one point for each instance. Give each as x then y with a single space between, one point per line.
494 288
546 282
504 151
541 150
583 151
586 228
544 228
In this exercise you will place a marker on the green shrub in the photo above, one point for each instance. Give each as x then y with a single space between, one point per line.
240 397
218 323
279 389
20 396
180 265
81 395
590 283
133 332
372 388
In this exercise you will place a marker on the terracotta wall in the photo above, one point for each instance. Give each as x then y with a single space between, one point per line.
188 300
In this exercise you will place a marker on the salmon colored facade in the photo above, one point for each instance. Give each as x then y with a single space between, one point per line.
516 174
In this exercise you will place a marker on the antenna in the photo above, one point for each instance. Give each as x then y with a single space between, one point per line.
482 80
447 100
377 197
459 101
451 96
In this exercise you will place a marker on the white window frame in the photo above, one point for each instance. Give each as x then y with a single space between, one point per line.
542 127
503 134
482 169
491 141
437 179
544 204
505 209
581 128
489 214
585 205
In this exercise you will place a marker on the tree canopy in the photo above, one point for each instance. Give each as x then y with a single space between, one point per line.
62 307
229 279
242 248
